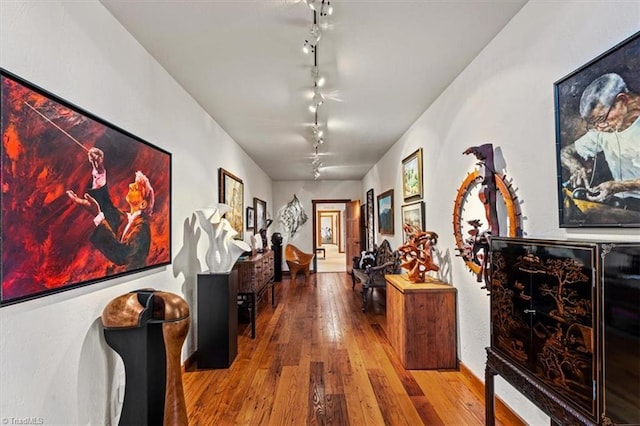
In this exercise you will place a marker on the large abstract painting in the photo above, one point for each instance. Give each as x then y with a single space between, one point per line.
82 200
598 140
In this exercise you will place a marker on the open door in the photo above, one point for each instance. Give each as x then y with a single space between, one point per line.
352 246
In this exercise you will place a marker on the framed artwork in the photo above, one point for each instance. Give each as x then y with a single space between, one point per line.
250 218
260 210
413 214
231 192
412 176
371 231
385 213
54 163
598 140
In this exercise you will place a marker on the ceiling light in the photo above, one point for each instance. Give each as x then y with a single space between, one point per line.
308 47
318 98
313 108
326 9
313 4
316 34
317 78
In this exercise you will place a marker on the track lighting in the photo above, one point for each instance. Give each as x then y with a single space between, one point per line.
308 47
318 98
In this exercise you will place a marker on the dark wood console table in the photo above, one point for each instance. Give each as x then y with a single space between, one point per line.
255 273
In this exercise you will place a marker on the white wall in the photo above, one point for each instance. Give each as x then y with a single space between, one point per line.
306 191
505 97
55 364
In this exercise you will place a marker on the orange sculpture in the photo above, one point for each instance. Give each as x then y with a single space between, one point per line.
416 254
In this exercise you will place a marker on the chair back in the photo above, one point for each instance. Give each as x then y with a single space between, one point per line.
294 254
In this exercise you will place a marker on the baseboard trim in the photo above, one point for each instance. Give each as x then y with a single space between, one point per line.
513 419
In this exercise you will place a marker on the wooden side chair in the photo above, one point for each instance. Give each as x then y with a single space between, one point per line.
298 261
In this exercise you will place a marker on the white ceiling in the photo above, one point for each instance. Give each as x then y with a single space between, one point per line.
385 62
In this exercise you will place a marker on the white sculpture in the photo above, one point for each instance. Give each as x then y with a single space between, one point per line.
223 250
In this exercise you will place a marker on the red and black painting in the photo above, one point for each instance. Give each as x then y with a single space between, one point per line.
82 200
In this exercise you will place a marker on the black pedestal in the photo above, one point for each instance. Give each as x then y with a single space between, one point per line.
217 319
277 260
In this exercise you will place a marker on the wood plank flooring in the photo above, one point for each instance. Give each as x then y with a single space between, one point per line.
319 360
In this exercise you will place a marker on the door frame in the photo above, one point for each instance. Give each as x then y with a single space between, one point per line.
314 204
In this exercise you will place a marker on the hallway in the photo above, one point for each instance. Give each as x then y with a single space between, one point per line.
318 359
331 260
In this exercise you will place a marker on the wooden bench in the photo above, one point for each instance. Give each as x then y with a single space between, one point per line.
370 272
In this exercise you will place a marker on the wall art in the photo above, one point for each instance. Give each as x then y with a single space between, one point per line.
250 218
61 166
231 193
598 140
412 176
412 215
371 230
385 213
260 211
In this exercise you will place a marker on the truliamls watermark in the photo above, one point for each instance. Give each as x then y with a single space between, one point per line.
22 420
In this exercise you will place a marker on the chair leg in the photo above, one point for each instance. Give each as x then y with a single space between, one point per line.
293 275
353 281
364 298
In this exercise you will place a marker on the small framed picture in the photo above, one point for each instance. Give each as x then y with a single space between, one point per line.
413 214
260 211
412 176
385 213
231 193
250 218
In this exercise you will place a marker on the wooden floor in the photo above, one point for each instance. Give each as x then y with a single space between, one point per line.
319 360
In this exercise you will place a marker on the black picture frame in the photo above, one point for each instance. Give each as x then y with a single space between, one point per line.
250 218
612 140
50 242
371 230
231 193
260 211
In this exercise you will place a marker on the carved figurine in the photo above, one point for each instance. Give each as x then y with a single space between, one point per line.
416 254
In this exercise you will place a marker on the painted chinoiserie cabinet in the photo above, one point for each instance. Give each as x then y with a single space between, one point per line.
565 327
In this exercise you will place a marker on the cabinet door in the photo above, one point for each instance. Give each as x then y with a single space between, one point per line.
621 331
542 317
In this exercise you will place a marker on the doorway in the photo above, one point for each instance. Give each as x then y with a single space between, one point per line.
329 235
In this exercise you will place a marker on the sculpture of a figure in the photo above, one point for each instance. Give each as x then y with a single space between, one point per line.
484 153
416 254
292 216
223 250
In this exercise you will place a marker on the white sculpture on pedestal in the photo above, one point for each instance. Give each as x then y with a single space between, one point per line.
223 250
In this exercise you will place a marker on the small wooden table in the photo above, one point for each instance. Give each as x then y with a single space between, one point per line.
321 250
421 323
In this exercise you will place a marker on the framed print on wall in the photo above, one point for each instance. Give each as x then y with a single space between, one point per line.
260 211
413 214
598 140
250 218
231 192
371 231
57 159
385 213
412 176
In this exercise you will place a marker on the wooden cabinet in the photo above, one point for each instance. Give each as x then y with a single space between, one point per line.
565 321
254 275
421 323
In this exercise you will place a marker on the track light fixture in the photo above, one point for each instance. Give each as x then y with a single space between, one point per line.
308 47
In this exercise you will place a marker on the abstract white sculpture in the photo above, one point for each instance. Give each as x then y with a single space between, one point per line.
223 250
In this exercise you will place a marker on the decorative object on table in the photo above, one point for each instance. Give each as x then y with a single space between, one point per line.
598 140
385 213
298 261
416 254
477 196
231 193
263 234
292 216
49 148
371 230
412 214
147 328
250 218
223 249
260 214
412 176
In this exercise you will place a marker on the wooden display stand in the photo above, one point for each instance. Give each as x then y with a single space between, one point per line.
421 323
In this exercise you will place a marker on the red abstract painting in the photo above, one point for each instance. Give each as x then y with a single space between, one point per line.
50 241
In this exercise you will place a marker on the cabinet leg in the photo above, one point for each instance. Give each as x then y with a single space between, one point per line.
489 374
252 315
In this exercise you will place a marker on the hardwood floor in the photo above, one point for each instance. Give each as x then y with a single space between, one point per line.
317 359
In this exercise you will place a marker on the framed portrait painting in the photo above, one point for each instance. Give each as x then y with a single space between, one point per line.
385 213
371 231
250 218
413 214
59 163
412 176
231 192
598 140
